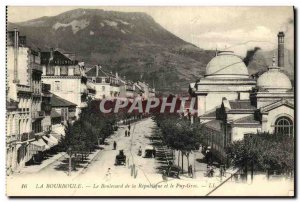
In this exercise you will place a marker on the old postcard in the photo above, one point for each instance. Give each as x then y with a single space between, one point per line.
150 101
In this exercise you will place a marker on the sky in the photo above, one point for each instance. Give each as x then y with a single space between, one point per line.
224 28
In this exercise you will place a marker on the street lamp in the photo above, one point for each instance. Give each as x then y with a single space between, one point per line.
70 161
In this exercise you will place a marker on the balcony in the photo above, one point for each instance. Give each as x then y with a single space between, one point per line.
38 114
12 105
11 138
23 88
26 136
37 67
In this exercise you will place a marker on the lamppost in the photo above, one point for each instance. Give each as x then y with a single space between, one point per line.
70 160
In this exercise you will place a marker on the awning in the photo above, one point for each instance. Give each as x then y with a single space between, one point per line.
59 129
53 139
49 142
40 145
55 114
35 146
56 135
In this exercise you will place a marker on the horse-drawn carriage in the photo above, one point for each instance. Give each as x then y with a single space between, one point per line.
120 158
173 171
150 152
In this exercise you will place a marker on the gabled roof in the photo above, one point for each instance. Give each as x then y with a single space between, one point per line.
57 57
274 105
92 73
214 124
57 101
246 120
209 114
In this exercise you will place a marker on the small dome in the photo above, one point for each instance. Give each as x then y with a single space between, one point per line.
274 80
227 66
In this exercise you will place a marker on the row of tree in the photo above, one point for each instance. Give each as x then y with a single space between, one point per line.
259 152
179 134
90 130
263 152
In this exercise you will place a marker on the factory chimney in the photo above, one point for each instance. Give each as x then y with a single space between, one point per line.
97 70
16 51
280 49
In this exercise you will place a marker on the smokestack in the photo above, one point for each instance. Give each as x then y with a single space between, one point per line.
16 50
280 49
97 70
51 53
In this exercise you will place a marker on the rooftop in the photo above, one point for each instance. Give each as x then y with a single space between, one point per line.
241 104
210 114
57 101
214 124
58 58
92 72
54 114
247 120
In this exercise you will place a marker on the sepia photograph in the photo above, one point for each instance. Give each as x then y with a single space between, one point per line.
150 101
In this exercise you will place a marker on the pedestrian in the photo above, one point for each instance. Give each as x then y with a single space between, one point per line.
208 156
164 176
129 127
140 151
115 145
126 133
108 175
190 171
211 171
222 170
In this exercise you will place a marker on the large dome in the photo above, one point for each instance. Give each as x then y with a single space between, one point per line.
274 80
226 66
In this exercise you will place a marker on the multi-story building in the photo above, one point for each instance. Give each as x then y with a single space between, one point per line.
62 112
146 91
245 105
66 77
105 84
23 94
46 106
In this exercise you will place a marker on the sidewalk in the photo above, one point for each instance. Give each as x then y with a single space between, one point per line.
58 158
44 164
207 184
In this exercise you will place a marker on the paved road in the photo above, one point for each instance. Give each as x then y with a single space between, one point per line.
139 176
144 167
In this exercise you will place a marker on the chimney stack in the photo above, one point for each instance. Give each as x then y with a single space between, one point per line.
16 51
51 53
97 70
280 49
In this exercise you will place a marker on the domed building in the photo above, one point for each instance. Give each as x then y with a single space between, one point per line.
226 76
231 105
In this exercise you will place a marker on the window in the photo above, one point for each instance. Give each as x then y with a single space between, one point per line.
64 71
57 86
50 70
284 125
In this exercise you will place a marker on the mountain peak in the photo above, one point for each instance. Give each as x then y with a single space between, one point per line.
130 43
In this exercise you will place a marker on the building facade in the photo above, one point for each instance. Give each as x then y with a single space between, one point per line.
106 85
232 105
24 102
66 77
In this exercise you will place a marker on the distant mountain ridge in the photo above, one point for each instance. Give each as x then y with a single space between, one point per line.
132 44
